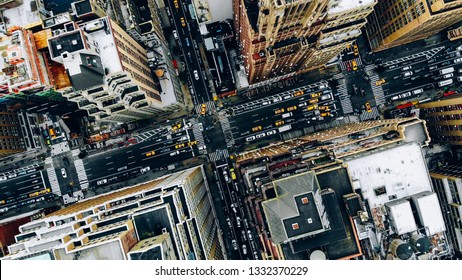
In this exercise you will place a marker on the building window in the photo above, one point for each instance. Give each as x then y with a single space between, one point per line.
295 226
305 200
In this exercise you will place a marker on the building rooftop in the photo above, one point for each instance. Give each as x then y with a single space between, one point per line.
101 32
389 174
68 42
25 15
297 209
340 6
89 72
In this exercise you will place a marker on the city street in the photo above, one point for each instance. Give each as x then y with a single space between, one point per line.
189 39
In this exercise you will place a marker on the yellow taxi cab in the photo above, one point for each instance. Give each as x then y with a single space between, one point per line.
257 128
312 101
312 107
192 143
233 174
289 109
179 146
176 126
380 82
151 153
355 50
326 114
315 95
299 93
279 123
368 107
279 111
183 22
354 64
203 109
324 108
177 5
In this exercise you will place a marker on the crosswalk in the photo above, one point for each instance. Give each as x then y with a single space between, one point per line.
379 95
343 96
198 134
210 107
369 115
148 134
343 64
81 174
218 155
53 181
226 127
428 54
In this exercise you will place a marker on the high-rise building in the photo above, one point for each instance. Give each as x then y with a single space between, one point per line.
11 140
172 216
108 70
447 182
444 119
398 22
282 37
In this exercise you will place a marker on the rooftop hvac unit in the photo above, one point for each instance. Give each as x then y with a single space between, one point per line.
400 249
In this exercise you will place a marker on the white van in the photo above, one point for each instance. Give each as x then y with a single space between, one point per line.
417 91
445 83
286 115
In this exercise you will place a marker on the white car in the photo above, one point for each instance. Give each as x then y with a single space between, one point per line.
63 172
175 34
174 153
196 75
277 99
145 169
101 182
271 132
457 60
261 135
250 138
201 127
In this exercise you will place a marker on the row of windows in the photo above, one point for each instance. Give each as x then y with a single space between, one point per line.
445 128
441 109
444 118
404 19
447 138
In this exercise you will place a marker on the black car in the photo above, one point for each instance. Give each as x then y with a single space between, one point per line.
210 127
66 161
207 139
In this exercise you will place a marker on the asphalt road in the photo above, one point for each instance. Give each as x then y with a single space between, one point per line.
265 115
21 190
189 40
123 163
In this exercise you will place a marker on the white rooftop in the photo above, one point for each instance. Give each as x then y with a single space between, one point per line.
401 170
108 50
21 15
339 6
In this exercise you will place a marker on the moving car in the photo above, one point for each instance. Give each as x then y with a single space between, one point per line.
279 123
380 82
145 169
174 153
183 22
151 153
257 128
291 108
279 111
101 182
250 138
196 74
203 110
368 107
354 64
176 4
175 34
63 172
